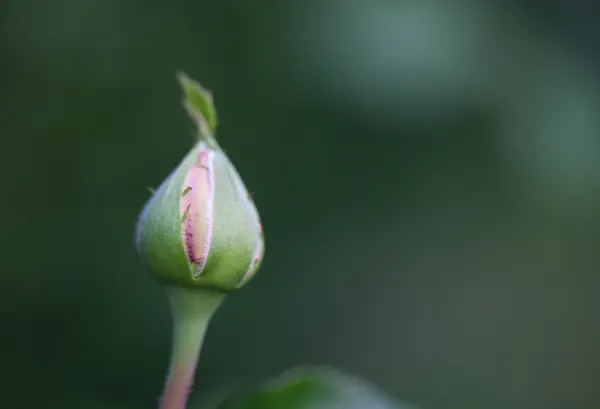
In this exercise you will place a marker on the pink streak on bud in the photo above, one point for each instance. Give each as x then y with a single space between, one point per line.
196 209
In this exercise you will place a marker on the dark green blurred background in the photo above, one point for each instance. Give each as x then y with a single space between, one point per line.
428 173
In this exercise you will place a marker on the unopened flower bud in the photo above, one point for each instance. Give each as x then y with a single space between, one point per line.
200 227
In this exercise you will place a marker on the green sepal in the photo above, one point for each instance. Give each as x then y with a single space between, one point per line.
199 104
159 230
235 227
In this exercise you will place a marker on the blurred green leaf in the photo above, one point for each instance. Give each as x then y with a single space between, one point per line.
312 388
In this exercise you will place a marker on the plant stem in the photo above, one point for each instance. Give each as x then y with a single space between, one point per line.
192 310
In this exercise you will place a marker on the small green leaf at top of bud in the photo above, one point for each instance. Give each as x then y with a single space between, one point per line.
199 103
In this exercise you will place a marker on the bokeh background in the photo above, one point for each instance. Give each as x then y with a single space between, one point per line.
428 173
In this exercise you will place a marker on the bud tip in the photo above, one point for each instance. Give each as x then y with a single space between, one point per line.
198 101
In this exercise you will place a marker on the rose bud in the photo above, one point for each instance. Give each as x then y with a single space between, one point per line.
201 227
200 235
